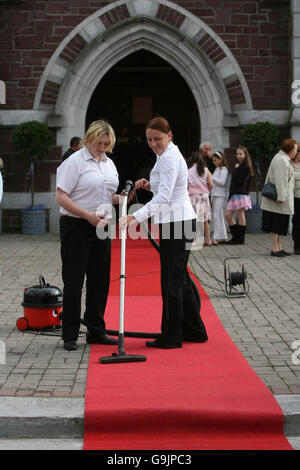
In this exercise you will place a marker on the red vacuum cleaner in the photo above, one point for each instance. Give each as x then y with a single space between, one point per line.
42 307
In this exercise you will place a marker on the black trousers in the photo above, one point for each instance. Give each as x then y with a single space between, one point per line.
83 254
296 224
181 318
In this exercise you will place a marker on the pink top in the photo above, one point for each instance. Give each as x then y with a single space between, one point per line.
197 184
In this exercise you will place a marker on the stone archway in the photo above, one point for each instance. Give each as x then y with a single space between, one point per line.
158 26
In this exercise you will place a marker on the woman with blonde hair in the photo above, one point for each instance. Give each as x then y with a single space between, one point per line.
87 180
239 200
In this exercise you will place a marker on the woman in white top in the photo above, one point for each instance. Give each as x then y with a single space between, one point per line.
219 195
86 189
172 209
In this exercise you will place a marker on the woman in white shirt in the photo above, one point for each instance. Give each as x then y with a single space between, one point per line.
86 189
172 209
219 195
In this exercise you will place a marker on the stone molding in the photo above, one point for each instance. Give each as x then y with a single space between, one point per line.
122 27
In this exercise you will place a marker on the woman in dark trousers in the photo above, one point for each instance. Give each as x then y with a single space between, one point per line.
86 189
172 209
239 200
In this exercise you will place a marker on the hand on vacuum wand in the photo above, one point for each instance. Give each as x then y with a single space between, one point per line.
126 220
142 184
130 197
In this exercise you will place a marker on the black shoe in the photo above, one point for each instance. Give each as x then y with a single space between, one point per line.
160 344
100 339
241 234
70 345
192 339
286 253
234 240
279 254
297 251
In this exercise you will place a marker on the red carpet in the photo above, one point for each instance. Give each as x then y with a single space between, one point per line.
201 397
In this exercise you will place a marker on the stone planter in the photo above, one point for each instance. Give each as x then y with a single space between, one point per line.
34 220
253 220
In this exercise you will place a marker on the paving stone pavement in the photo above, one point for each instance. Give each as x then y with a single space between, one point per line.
34 367
265 324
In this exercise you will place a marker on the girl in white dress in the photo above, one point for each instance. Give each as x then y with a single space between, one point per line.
219 195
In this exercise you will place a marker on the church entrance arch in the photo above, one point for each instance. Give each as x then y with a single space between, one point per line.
136 88
160 28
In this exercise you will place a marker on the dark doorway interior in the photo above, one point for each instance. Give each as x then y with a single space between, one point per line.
133 91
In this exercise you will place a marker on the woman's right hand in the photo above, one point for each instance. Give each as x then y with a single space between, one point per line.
142 184
94 219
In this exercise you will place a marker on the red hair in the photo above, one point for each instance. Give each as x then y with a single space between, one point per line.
288 145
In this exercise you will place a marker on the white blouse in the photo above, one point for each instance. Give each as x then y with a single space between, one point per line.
220 180
168 183
88 182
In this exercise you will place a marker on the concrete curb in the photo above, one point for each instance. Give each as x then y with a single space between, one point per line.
290 405
63 418
41 418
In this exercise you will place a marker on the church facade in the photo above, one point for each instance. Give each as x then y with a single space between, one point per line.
211 66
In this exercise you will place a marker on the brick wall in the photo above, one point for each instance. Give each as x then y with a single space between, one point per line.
16 166
12 220
258 35
256 32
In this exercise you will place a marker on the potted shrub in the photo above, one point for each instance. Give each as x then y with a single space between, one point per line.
262 140
33 140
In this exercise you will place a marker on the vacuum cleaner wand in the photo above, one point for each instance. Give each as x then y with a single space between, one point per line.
128 187
122 356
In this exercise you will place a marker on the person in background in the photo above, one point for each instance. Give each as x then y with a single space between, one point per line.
172 210
219 195
276 214
206 153
239 199
85 181
296 216
193 158
75 144
199 186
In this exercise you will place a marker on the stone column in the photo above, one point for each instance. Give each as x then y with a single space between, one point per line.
295 57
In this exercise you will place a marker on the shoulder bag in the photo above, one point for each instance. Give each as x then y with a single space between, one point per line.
269 191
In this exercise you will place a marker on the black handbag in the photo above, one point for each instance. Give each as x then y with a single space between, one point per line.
269 191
